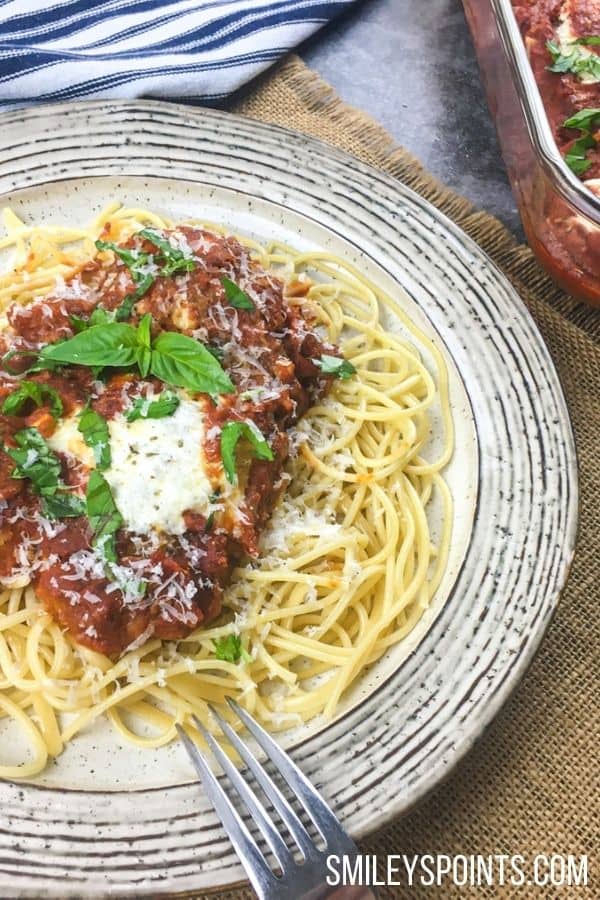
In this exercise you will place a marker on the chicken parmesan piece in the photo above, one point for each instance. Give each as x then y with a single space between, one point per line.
562 38
131 483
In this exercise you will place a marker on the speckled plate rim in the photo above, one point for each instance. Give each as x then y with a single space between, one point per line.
383 189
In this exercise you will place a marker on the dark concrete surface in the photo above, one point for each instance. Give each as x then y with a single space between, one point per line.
411 65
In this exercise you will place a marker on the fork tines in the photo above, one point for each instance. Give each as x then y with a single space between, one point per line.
293 880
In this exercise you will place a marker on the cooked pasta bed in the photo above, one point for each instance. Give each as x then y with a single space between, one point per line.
346 565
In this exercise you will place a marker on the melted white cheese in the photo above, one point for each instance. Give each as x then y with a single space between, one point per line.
157 471
68 439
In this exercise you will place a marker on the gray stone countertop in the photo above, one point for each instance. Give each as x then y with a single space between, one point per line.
411 65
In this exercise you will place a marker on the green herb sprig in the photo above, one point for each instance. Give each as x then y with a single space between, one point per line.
168 261
235 295
231 433
586 121
37 393
94 429
230 649
571 59
335 366
36 461
103 515
145 408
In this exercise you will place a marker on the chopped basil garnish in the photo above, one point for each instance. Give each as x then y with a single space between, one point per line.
133 259
36 461
334 365
38 393
173 260
230 649
172 357
570 58
589 40
99 316
169 261
576 155
124 311
147 408
231 434
104 517
235 295
94 429
63 506
586 121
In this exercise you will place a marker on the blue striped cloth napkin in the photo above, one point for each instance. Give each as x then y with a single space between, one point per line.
189 50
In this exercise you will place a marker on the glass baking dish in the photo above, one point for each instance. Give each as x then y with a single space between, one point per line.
561 216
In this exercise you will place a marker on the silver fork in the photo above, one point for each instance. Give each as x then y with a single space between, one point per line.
295 881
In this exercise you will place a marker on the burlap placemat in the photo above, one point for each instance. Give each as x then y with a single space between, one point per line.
532 784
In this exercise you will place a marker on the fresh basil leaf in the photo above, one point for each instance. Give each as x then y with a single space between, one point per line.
126 580
38 393
576 155
144 336
104 517
162 243
230 649
334 365
35 460
231 434
182 361
145 282
78 324
589 40
235 295
94 429
99 316
124 311
584 120
38 366
63 505
561 62
144 360
112 344
146 408
132 258
137 262
144 333
174 260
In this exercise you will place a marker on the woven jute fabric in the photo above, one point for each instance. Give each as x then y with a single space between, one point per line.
532 783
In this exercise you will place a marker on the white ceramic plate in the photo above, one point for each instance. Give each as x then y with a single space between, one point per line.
109 819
